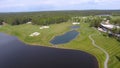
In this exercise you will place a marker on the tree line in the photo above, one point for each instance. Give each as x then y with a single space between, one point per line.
35 19
51 17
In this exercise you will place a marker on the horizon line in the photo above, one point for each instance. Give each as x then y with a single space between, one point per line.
60 10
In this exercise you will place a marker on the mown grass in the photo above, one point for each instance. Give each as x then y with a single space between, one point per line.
23 32
112 47
82 42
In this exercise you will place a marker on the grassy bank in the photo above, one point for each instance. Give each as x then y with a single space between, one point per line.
82 42
23 32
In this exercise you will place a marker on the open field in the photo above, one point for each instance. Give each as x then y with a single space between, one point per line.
82 42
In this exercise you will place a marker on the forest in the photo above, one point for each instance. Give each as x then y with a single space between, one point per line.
50 17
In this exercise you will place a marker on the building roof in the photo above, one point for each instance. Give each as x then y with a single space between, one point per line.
110 26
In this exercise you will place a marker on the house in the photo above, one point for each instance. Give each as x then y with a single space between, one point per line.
107 27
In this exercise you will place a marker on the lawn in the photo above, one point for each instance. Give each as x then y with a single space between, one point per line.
82 42
23 32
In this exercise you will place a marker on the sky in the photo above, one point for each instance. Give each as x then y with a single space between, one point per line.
52 5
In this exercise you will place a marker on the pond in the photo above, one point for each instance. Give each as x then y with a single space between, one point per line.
65 38
15 54
74 27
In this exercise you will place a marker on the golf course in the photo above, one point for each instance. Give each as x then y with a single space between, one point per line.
59 33
82 42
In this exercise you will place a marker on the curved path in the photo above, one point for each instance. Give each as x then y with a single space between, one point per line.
107 55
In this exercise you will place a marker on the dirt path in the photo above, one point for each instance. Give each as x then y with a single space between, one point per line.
107 55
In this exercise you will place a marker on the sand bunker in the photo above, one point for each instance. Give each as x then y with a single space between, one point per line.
28 22
34 34
44 27
75 23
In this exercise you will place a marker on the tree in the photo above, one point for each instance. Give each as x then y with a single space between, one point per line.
95 22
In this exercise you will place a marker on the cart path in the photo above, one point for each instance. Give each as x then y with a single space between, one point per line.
107 55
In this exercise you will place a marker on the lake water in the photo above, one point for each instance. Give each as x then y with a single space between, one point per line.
65 38
15 54
74 27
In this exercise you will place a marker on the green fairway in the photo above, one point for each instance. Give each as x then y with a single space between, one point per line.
82 42
23 32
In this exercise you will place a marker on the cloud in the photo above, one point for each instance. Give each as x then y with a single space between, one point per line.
11 3
53 4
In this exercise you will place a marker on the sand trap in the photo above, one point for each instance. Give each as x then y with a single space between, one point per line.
28 22
34 34
44 27
75 23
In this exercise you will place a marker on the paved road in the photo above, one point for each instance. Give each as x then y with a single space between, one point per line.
107 55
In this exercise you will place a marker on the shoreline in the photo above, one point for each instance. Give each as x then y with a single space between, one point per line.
95 59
